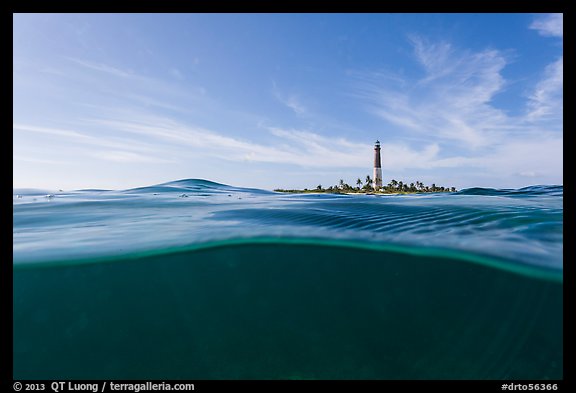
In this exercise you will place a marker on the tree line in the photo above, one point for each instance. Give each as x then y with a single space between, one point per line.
394 186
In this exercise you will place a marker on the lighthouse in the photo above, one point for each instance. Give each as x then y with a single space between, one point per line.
377 167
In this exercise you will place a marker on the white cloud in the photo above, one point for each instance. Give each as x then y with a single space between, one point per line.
529 158
449 104
452 99
36 160
51 131
146 100
551 25
452 103
528 174
291 101
547 99
436 58
292 146
127 84
127 156
71 136
103 68
204 141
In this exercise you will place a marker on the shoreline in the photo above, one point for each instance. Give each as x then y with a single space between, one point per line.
392 188
351 193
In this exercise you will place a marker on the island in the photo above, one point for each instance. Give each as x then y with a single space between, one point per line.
374 185
366 187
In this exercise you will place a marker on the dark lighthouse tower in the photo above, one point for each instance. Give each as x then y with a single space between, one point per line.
377 167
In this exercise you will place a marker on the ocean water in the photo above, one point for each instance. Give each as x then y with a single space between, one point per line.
197 280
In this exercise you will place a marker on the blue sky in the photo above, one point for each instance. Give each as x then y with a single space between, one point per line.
286 100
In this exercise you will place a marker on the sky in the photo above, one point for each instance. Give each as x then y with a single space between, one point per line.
117 101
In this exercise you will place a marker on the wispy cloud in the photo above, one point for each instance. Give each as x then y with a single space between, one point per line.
125 83
51 131
452 99
315 150
147 101
105 68
546 101
436 58
531 156
289 100
291 146
118 149
551 25
36 160
198 140
293 103
452 102
127 156
82 138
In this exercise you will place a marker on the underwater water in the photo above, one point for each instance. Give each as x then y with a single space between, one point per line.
197 280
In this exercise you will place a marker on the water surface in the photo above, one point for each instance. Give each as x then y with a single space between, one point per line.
197 280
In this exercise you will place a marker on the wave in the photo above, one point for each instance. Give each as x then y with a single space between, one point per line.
524 228
194 186
537 190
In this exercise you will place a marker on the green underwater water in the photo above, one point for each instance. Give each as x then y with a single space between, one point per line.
284 310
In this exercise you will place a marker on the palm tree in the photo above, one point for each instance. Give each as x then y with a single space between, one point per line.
359 183
368 183
400 185
319 188
394 183
341 184
412 187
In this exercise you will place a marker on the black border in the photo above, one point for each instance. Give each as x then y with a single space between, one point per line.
319 385
166 6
